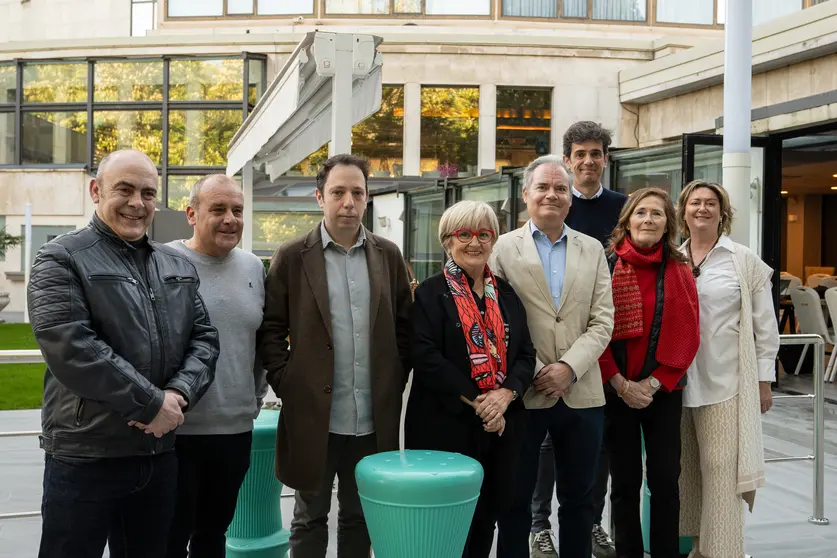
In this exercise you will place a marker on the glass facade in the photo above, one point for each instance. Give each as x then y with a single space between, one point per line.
8 84
524 125
75 113
390 7
449 131
694 12
606 10
424 253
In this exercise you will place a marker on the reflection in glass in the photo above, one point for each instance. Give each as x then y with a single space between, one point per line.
133 129
255 88
380 138
495 194
523 125
201 137
522 210
55 138
449 131
619 10
658 167
458 7
425 254
311 164
193 8
206 80
7 138
286 7
530 8
694 12
374 7
237 7
407 6
8 83
180 186
128 81
271 230
55 83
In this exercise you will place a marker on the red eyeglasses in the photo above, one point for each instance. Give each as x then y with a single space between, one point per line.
483 235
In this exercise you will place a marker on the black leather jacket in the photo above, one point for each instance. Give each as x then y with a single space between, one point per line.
113 341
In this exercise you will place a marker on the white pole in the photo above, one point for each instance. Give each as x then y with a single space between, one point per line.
738 70
249 223
341 96
27 256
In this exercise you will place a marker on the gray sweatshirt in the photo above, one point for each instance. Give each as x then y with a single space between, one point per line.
233 291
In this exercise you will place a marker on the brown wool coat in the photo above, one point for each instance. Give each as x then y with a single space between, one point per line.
297 308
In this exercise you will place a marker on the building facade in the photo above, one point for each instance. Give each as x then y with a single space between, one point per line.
473 89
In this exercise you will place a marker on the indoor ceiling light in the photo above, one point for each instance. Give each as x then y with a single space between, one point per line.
784 192
834 187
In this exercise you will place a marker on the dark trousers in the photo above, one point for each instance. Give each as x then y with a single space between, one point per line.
576 439
309 527
211 469
545 487
659 423
87 501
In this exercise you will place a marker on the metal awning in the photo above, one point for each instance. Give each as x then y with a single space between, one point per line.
331 82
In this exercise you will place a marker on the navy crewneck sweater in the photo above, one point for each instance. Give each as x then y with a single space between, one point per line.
596 217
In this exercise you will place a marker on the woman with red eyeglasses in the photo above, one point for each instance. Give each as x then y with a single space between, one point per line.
472 361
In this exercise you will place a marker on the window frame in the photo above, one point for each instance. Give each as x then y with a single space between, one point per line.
315 5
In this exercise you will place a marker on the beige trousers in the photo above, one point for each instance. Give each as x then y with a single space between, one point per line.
709 505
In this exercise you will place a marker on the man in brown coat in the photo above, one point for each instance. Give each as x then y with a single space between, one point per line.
342 297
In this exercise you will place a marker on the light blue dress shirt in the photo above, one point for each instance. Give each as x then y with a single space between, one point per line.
553 259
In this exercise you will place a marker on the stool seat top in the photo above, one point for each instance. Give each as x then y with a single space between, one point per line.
419 478
264 429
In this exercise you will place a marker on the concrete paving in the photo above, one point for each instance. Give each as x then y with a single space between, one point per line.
778 528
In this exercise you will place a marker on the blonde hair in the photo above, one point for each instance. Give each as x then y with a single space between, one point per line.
466 215
724 225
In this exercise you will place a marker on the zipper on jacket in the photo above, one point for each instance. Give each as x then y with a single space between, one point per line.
79 411
152 267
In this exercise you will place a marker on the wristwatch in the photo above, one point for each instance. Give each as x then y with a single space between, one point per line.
655 383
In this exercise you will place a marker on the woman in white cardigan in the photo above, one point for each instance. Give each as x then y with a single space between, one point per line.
729 381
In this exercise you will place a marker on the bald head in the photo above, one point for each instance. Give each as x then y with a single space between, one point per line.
125 157
210 181
216 213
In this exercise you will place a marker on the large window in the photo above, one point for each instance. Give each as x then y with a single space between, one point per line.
694 12
218 8
424 253
606 10
143 17
398 7
530 8
449 131
184 123
764 10
494 191
272 229
524 126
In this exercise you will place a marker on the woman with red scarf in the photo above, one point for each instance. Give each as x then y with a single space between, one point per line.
655 338
472 360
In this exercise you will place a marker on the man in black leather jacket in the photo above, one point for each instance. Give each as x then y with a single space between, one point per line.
129 348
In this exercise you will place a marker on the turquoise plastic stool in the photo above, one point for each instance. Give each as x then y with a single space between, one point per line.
645 518
418 503
256 529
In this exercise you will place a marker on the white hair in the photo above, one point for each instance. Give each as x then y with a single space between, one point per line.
466 215
557 160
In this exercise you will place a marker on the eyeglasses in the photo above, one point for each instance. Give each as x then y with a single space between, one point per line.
483 235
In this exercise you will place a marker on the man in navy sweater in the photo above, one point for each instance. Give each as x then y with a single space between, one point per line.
594 212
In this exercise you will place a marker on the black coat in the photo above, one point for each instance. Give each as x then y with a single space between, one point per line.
436 417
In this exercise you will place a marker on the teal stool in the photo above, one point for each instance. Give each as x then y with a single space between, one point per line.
256 529
685 542
418 503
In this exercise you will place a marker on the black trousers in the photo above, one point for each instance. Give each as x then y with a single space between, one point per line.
211 469
659 424
545 487
127 501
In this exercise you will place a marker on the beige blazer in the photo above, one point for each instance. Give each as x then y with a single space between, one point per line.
576 332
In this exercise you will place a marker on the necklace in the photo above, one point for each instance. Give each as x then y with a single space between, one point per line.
696 268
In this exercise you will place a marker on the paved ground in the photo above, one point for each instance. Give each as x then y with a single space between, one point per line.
779 527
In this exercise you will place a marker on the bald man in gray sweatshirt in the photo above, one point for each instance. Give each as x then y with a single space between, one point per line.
213 444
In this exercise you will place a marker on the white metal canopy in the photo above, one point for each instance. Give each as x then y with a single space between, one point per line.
330 82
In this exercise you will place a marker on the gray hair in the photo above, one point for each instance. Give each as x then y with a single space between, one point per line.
467 214
198 186
557 160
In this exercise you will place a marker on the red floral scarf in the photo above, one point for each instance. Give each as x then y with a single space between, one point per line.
486 349
680 329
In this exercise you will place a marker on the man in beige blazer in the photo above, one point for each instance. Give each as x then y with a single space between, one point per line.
564 281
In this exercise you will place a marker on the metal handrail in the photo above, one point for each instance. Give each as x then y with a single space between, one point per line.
818 517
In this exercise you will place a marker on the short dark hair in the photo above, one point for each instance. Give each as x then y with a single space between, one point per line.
586 130
343 159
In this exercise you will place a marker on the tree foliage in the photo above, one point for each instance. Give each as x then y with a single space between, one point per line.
8 241
449 129
273 229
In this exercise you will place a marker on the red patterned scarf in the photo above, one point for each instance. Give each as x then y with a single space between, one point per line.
680 329
486 349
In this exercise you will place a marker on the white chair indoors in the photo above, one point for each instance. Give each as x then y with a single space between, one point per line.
831 302
810 318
